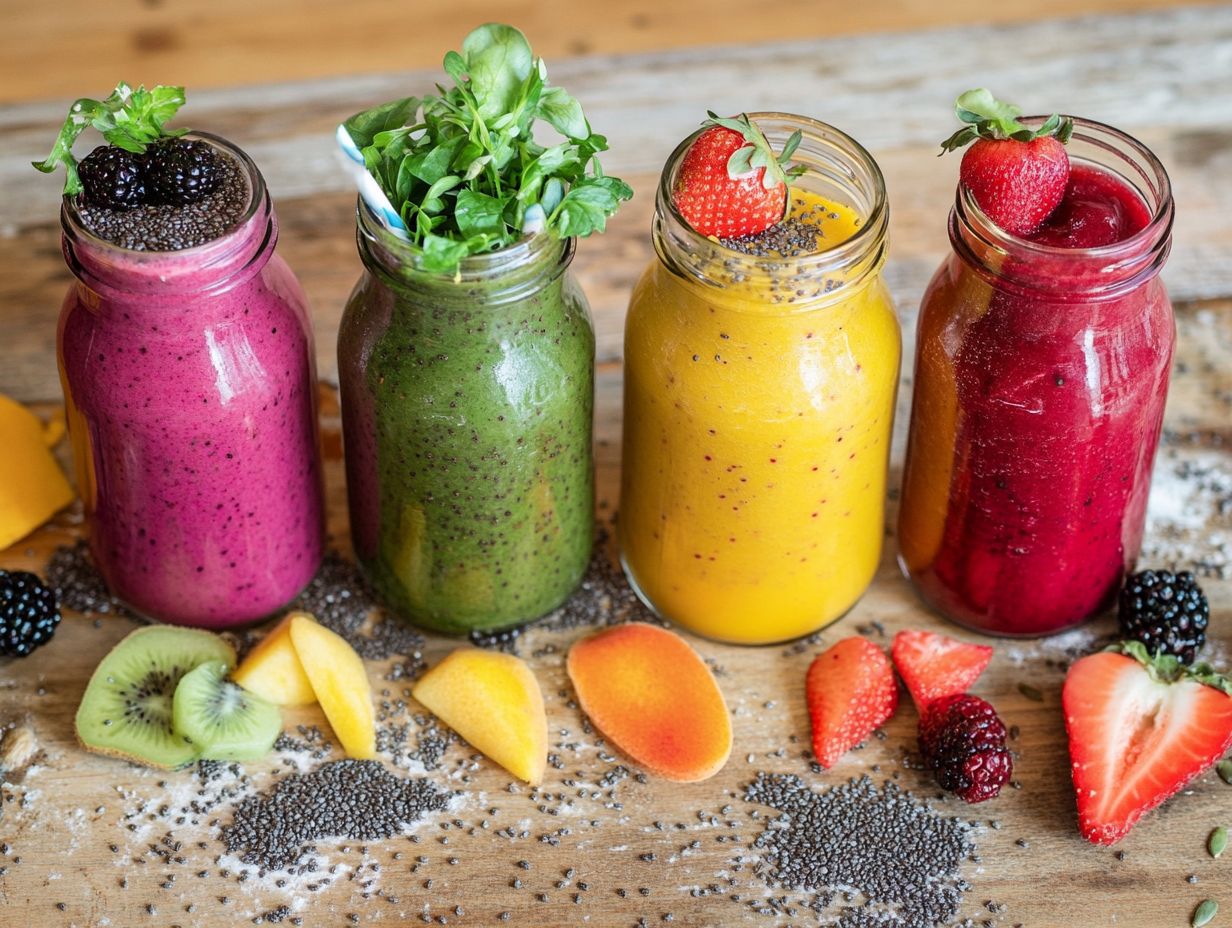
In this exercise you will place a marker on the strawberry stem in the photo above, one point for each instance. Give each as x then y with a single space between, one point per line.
986 117
757 153
1167 668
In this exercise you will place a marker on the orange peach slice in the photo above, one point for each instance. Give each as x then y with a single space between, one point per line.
340 683
494 702
273 670
651 694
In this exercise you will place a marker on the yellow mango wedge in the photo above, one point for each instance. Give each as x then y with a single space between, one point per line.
493 701
340 683
32 486
273 670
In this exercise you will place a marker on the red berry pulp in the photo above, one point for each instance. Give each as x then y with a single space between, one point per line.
1039 399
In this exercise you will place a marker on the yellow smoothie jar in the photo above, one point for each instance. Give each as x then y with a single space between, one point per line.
758 405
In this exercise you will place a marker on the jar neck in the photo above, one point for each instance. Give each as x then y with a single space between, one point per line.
201 270
839 170
1075 274
513 273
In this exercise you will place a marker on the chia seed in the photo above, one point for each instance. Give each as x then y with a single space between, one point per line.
78 584
165 227
355 799
896 851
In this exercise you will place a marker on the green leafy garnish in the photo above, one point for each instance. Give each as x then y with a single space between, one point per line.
986 117
462 166
129 119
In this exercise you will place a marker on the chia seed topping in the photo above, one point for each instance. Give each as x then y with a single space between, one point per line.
173 228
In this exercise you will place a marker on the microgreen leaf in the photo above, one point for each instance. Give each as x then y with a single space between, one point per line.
127 118
462 166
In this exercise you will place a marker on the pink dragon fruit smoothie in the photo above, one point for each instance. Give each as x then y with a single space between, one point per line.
190 385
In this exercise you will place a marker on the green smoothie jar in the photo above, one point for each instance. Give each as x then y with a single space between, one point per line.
466 406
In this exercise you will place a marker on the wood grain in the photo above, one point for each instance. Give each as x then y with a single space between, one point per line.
79 801
74 47
892 92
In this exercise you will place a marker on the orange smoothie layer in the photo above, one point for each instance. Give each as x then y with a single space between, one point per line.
757 430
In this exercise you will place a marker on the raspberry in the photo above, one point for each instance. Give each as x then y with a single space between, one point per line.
29 613
963 741
112 177
1167 612
179 172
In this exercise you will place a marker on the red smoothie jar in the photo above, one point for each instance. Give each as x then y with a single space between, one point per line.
1041 374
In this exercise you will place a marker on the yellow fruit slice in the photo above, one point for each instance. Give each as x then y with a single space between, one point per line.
340 683
32 486
494 702
273 670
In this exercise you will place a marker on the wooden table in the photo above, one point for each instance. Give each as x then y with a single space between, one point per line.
1162 76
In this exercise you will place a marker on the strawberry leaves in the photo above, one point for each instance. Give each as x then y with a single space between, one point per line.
757 153
986 117
1168 668
463 168
127 118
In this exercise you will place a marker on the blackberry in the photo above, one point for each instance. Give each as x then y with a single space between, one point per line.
179 172
112 177
29 613
1167 612
963 741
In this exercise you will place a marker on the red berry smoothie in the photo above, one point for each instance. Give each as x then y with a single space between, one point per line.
190 383
1041 375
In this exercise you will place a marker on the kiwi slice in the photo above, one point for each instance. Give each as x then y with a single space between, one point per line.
224 720
127 707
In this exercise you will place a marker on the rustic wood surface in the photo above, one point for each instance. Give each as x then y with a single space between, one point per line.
1163 76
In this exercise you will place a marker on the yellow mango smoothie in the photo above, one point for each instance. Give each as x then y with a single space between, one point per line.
760 378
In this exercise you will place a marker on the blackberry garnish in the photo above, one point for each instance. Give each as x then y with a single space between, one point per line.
112 177
963 741
29 613
1167 612
178 171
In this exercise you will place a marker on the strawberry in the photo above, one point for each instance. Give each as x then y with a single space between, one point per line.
730 183
1016 174
934 665
850 690
1140 728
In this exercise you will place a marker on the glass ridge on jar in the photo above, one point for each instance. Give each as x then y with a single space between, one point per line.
467 405
190 385
1040 382
759 398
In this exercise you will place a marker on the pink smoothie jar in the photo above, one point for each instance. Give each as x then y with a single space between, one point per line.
1041 372
190 383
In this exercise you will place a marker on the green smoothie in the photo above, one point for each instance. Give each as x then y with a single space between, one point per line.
467 410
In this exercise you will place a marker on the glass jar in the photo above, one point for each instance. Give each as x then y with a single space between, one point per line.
759 397
1041 375
190 383
467 405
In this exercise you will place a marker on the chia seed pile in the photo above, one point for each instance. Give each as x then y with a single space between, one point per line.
860 840
356 799
173 228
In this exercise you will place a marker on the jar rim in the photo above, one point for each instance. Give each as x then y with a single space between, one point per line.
73 226
831 157
1102 136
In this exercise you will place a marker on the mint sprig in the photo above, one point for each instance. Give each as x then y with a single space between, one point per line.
986 117
127 118
462 166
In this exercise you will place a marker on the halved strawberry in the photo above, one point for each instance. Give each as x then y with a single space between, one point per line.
730 182
934 665
1140 728
1017 175
850 690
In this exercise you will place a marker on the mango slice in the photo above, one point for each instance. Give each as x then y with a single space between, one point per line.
493 701
654 697
273 670
32 486
340 683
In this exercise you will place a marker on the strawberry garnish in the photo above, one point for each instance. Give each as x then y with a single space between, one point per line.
1140 728
731 183
850 690
1018 175
934 665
